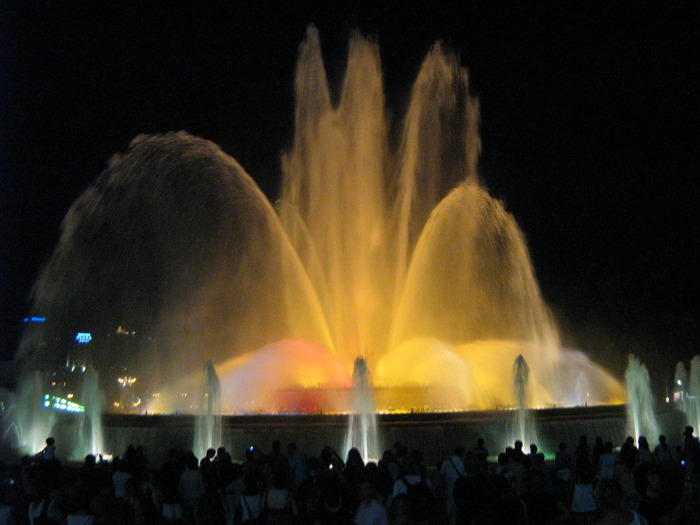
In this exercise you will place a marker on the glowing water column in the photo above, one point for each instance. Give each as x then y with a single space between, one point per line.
694 393
362 427
207 426
641 419
524 423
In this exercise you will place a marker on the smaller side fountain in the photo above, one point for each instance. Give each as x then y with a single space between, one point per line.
641 417
680 387
33 421
362 426
90 439
207 423
693 401
524 423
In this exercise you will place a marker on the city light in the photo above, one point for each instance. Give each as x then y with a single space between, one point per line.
59 403
126 381
83 337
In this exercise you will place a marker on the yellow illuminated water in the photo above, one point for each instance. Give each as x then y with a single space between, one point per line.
397 254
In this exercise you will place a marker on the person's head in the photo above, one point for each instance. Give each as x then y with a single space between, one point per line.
643 443
276 445
662 439
533 449
411 467
388 456
688 431
354 457
50 441
291 449
518 444
562 446
459 451
480 442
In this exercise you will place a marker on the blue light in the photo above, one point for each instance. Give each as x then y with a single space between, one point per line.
83 337
59 403
34 319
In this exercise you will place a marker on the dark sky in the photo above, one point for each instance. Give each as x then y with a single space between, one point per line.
589 119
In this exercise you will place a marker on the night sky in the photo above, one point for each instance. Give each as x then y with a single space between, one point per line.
589 125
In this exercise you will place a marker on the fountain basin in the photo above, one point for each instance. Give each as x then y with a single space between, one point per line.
435 434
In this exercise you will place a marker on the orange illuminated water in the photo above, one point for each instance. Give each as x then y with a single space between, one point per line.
395 254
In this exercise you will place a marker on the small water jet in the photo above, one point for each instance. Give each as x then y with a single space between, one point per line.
362 431
680 387
90 439
693 402
641 418
524 423
34 421
207 426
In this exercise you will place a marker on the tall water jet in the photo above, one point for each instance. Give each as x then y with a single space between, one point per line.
694 393
207 427
524 423
362 425
90 439
641 417
680 387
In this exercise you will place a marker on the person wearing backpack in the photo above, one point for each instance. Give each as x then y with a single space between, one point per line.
451 470
417 487
278 504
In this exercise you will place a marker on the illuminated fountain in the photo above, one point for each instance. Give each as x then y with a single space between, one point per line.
641 417
693 402
680 387
207 428
33 415
90 438
524 424
30 420
362 427
398 255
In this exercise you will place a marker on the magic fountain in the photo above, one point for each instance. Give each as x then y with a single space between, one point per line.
398 256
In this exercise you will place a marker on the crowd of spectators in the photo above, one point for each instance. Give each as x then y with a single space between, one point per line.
598 483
